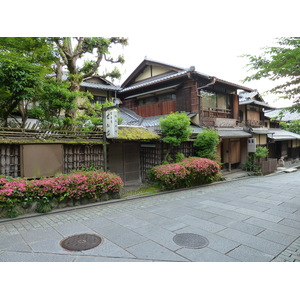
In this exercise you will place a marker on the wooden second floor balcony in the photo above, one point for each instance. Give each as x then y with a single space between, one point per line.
252 123
217 113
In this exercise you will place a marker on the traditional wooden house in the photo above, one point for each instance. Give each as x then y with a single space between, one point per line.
258 116
156 89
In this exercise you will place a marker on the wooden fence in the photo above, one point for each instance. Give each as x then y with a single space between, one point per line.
152 154
81 149
268 165
10 160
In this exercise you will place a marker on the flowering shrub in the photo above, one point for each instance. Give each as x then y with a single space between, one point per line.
190 172
75 186
200 170
169 177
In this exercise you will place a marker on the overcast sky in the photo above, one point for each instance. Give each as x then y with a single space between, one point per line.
210 35
216 57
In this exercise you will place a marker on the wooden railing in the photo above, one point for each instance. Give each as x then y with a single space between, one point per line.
217 113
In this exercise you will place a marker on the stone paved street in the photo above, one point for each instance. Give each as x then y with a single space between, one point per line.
254 219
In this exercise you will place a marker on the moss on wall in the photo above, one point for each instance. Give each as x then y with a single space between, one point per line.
136 133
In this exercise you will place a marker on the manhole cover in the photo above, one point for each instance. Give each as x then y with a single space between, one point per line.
190 240
81 242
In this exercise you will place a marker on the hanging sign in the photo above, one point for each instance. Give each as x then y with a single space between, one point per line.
110 123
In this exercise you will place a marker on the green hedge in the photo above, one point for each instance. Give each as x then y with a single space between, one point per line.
191 171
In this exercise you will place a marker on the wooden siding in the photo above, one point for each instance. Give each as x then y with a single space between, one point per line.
124 160
82 156
10 160
183 99
156 109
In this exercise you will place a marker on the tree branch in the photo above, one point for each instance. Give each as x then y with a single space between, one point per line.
96 66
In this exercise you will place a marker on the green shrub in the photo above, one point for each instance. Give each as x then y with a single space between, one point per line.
206 144
175 129
261 152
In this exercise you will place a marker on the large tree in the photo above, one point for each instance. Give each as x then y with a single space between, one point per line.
71 50
26 64
281 64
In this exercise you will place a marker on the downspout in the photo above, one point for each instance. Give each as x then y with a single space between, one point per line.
200 107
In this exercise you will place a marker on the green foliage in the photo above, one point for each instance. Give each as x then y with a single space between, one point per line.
177 159
20 80
43 205
37 50
12 213
53 98
206 144
175 128
261 152
281 62
293 126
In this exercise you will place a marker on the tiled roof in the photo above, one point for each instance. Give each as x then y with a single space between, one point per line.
156 80
100 86
236 132
282 135
255 102
287 115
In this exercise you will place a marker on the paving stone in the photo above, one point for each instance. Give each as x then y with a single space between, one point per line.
248 206
128 221
107 259
261 215
151 250
120 235
34 257
283 214
155 219
277 207
247 254
40 235
255 199
206 211
219 205
158 235
13 242
277 237
108 249
227 213
255 242
206 225
273 226
205 255
48 246
72 228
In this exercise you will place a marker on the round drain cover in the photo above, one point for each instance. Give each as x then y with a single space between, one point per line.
190 240
81 242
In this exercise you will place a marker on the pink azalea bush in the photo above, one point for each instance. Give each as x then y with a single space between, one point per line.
190 172
201 170
75 186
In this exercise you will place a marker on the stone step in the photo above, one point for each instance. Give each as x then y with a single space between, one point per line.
290 170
